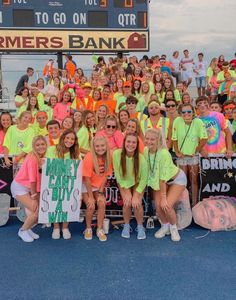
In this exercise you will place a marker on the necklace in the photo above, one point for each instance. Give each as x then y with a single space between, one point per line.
152 167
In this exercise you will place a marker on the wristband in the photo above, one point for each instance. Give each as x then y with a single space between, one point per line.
100 193
34 195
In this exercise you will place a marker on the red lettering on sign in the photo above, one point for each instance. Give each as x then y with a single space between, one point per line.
41 41
27 42
56 42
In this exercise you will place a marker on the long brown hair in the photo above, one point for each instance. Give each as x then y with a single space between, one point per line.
135 158
61 148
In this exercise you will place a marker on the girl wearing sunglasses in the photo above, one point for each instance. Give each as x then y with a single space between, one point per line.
189 136
112 133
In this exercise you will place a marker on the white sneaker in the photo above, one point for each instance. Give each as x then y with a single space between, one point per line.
25 236
66 234
34 235
175 237
163 231
56 234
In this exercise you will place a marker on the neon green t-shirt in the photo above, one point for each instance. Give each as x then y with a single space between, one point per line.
196 132
83 137
117 95
129 180
23 107
38 130
49 111
120 100
160 167
209 73
18 141
220 75
40 99
52 153
163 122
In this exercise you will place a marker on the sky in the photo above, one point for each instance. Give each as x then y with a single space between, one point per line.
206 26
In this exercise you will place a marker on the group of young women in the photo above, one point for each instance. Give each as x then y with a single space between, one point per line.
129 119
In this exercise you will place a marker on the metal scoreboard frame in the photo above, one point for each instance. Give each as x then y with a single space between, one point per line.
74 25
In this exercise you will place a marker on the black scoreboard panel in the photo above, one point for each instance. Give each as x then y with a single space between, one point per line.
74 14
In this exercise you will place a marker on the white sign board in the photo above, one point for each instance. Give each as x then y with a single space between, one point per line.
60 191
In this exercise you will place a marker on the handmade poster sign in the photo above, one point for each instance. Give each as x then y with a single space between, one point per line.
217 176
60 191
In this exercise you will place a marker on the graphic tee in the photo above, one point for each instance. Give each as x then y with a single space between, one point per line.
215 124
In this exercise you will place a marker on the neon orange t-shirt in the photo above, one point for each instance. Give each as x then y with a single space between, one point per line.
88 170
111 104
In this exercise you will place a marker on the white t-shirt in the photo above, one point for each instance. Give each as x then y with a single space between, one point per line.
187 64
175 63
201 69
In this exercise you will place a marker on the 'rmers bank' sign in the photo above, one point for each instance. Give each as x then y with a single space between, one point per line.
38 40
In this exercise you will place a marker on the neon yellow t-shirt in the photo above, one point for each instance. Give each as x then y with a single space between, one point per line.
18 141
146 124
129 180
160 167
196 132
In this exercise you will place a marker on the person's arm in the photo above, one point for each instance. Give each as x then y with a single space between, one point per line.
143 174
6 158
228 141
201 144
163 200
176 148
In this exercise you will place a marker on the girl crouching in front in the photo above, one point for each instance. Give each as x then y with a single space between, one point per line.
25 187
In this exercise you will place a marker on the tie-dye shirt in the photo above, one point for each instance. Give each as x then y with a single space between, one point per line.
215 124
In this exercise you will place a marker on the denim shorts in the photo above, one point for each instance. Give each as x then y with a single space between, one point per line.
188 161
201 82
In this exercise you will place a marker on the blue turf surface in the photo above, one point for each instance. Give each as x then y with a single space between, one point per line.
203 268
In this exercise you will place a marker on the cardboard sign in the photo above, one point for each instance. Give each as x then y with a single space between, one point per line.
60 191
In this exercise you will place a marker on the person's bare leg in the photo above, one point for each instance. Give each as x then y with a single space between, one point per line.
193 172
32 206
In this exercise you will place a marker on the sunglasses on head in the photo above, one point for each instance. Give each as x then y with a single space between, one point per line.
170 105
186 112
111 126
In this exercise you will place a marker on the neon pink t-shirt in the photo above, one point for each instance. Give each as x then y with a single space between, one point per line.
115 141
29 172
61 111
215 124
2 134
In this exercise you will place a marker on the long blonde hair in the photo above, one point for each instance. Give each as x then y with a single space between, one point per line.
159 137
106 156
33 152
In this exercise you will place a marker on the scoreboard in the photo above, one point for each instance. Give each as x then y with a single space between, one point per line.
74 25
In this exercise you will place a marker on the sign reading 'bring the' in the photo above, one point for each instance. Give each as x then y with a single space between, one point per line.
217 176
60 191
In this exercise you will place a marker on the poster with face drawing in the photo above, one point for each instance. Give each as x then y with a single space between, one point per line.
60 191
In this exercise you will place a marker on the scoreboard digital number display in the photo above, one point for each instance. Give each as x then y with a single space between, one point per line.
72 25
74 14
